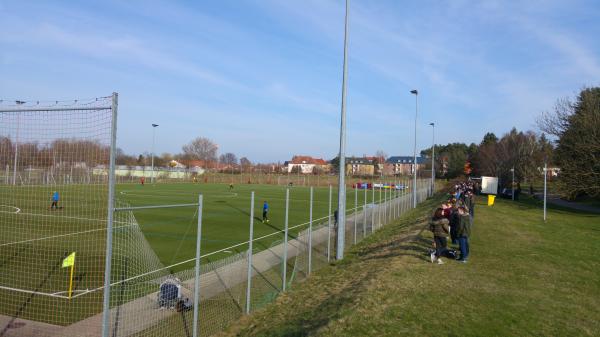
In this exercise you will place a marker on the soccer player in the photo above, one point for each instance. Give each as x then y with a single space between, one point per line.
142 180
230 186
55 198
265 211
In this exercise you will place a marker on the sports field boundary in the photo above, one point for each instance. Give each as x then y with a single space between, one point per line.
214 282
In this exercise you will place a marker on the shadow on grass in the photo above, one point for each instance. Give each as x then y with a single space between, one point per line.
310 320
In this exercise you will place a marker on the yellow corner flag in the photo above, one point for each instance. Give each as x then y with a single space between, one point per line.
69 261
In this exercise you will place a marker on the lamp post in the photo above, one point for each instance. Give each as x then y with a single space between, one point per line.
545 188
342 178
153 137
513 183
432 157
416 93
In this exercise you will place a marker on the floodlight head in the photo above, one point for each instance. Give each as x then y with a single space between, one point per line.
154 125
415 92
432 124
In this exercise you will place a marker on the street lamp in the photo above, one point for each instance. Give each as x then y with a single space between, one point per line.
153 136
545 188
432 157
513 183
416 93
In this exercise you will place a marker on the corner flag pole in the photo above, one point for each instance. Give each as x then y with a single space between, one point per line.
69 261
71 281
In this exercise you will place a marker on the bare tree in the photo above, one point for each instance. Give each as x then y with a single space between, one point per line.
202 149
245 163
555 123
381 156
228 159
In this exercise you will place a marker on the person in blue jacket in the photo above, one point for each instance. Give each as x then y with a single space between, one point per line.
265 217
55 199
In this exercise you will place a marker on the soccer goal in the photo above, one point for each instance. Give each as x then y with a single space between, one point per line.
55 159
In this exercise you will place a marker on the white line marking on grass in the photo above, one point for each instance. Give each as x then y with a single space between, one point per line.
17 209
62 235
75 291
161 195
34 292
58 216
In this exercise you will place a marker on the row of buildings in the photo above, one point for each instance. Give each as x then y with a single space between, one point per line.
362 166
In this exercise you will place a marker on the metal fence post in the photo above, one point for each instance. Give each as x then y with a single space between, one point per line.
386 198
355 208
329 227
285 237
250 252
373 207
310 219
379 208
197 270
365 216
110 218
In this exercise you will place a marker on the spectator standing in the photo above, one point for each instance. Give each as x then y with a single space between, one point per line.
463 233
439 226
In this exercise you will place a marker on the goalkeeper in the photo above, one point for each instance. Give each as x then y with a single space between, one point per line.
55 199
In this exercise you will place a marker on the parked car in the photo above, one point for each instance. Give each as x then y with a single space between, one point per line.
506 193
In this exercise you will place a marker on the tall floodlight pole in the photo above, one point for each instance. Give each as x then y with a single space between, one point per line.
416 93
153 137
342 174
432 157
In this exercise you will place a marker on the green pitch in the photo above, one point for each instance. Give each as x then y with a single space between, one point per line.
34 239
226 215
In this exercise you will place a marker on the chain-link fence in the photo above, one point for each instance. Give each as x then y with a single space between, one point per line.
74 261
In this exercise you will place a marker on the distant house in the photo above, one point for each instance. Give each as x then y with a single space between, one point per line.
403 165
306 164
364 166
196 166
551 172
176 164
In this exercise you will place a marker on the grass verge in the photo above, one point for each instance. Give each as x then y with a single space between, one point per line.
524 278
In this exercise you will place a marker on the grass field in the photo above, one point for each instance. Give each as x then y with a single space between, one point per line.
34 240
172 232
524 278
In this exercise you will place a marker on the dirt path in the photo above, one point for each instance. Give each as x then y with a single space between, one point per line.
13 327
556 200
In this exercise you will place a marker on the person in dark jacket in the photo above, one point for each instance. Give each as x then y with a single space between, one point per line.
439 226
454 224
463 233
470 203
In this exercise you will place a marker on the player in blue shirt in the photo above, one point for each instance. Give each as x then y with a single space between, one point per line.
265 211
55 198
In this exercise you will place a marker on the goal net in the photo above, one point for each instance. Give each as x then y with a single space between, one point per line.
53 212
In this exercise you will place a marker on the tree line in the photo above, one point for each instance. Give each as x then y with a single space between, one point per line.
200 150
568 138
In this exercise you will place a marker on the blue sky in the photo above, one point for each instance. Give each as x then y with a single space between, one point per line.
262 78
